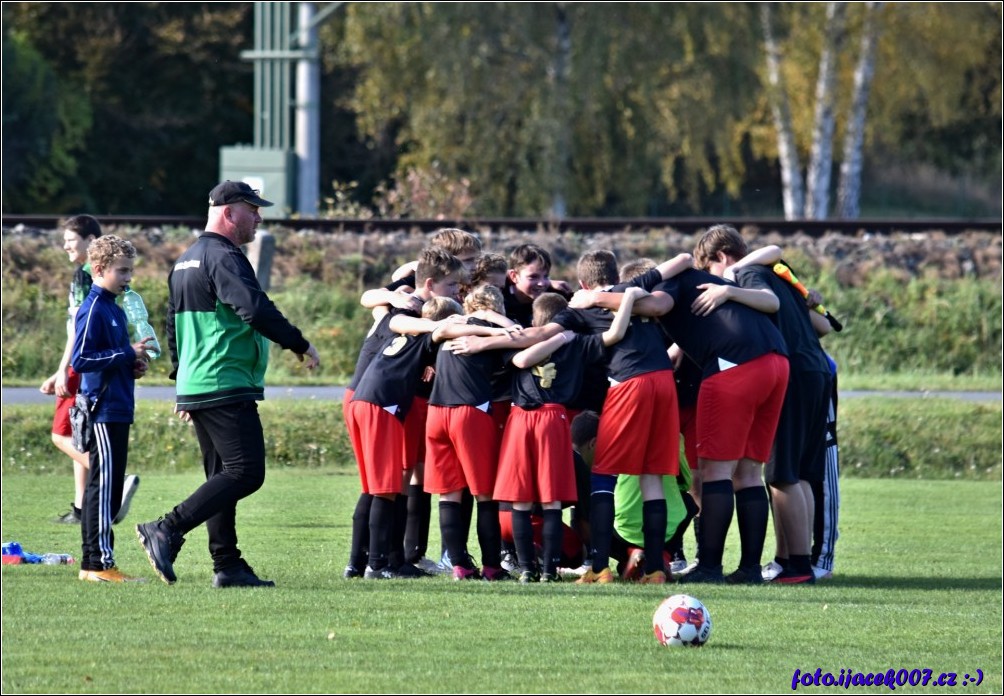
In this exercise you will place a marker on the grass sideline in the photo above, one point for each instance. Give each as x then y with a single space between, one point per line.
918 586
929 438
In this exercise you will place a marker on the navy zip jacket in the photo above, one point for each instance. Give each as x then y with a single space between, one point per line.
102 354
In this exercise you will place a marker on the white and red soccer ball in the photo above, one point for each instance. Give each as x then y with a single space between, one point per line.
683 621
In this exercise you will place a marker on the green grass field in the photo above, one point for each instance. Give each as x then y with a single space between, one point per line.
918 586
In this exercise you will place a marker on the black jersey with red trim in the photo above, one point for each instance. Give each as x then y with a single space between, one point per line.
378 335
643 348
466 380
805 353
731 335
557 379
394 374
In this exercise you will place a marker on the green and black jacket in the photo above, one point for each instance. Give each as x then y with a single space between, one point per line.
219 324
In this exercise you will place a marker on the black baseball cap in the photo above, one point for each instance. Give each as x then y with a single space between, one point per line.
234 192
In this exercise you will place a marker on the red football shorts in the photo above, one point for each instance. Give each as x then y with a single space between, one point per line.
500 415
61 418
535 460
378 441
639 429
461 450
414 432
688 429
738 409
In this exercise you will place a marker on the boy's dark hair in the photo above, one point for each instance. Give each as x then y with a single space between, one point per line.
597 268
488 263
719 238
633 269
83 225
546 307
584 428
525 254
436 263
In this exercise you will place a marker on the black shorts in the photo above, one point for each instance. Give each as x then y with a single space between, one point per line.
800 444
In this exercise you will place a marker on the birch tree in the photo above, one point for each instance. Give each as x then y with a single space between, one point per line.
817 182
849 189
777 95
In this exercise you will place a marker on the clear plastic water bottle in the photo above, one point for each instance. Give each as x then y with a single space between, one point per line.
137 315
57 559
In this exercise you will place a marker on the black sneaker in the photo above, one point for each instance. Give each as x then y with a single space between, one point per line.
240 575
351 572
407 570
528 576
385 573
71 516
704 575
745 576
161 545
550 577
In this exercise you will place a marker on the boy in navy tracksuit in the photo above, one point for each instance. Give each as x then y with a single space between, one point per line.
108 366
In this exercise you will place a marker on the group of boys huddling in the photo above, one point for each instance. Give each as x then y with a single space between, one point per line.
534 398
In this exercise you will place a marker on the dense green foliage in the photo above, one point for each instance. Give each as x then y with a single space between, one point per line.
527 108
917 586
879 438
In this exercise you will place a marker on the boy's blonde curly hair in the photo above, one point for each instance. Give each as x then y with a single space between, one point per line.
104 250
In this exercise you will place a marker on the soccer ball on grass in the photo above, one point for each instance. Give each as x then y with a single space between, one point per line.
682 620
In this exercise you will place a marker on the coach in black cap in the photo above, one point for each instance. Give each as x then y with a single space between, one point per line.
234 191
220 324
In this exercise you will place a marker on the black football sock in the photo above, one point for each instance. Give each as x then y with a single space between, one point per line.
554 535
653 529
675 544
818 519
381 520
697 536
522 536
752 514
489 533
717 506
452 530
395 555
467 505
601 519
413 524
800 564
360 531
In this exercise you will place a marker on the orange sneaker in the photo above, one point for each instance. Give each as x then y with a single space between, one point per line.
604 577
656 577
634 567
112 574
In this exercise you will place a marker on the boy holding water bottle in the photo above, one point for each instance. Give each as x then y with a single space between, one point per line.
109 366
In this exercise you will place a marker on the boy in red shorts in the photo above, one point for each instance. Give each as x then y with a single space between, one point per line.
535 462
438 274
639 426
380 405
461 448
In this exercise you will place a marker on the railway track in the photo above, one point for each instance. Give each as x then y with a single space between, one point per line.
813 228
